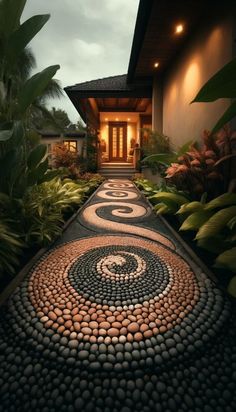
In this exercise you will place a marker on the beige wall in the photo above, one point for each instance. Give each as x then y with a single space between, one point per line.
204 55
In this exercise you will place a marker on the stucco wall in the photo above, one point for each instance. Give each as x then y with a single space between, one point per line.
207 52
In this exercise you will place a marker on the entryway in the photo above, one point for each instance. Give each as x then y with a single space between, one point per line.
118 141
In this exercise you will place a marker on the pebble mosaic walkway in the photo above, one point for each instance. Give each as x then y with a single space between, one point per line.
115 318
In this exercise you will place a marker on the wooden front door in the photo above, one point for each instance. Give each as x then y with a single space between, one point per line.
118 141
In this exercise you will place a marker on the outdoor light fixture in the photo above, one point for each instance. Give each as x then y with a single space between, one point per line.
156 64
179 29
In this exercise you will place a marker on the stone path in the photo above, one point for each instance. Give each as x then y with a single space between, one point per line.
116 317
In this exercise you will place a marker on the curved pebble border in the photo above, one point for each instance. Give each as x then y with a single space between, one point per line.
117 323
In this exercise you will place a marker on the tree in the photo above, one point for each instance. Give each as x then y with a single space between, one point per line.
18 91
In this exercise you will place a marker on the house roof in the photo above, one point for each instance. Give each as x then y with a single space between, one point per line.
51 133
116 85
108 95
107 83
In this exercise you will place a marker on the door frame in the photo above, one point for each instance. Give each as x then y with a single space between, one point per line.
118 124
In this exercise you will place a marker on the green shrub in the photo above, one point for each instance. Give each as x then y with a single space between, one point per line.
45 206
11 247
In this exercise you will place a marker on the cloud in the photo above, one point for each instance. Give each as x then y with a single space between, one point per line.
90 39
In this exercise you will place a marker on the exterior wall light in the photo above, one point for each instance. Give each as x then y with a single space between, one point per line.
179 29
156 65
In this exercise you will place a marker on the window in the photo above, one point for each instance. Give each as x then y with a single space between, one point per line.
71 145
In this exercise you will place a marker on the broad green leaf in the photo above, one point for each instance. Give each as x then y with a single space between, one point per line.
216 223
227 260
35 86
162 209
228 115
51 174
195 220
24 34
216 244
36 156
221 85
6 131
227 199
232 223
232 287
5 135
190 207
165 158
167 196
10 14
36 175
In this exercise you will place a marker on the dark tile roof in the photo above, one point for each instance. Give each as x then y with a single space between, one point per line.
112 83
51 133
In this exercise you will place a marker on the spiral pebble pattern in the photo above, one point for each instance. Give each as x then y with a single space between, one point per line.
116 322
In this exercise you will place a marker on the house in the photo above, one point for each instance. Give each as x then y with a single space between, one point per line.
74 141
177 46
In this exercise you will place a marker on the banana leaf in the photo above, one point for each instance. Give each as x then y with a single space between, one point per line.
10 14
228 115
216 223
221 85
36 156
227 199
227 260
195 220
35 86
167 196
190 207
23 35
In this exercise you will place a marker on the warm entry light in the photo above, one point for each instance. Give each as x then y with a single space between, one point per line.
156 64
128 119
117 119
179 29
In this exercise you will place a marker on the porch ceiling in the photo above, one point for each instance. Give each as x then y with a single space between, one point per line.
111 94
130 104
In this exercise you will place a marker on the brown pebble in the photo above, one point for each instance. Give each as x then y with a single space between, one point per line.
105 325
75 311
93 325
162 329
58 312
148 333
68 324
52 316
113 332
143 327
133 327
86 331
77 326
77 318
138 336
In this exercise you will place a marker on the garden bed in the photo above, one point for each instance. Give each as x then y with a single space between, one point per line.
10 282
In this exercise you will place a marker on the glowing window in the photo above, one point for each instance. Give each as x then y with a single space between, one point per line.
71 145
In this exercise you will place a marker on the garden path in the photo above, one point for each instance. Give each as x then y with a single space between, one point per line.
117 317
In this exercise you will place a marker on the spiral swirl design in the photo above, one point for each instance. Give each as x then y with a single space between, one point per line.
116 321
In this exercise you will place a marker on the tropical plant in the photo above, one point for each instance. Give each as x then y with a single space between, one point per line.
221 85
18 171
11 247
45 206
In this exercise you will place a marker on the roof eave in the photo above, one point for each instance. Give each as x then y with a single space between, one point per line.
144 11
